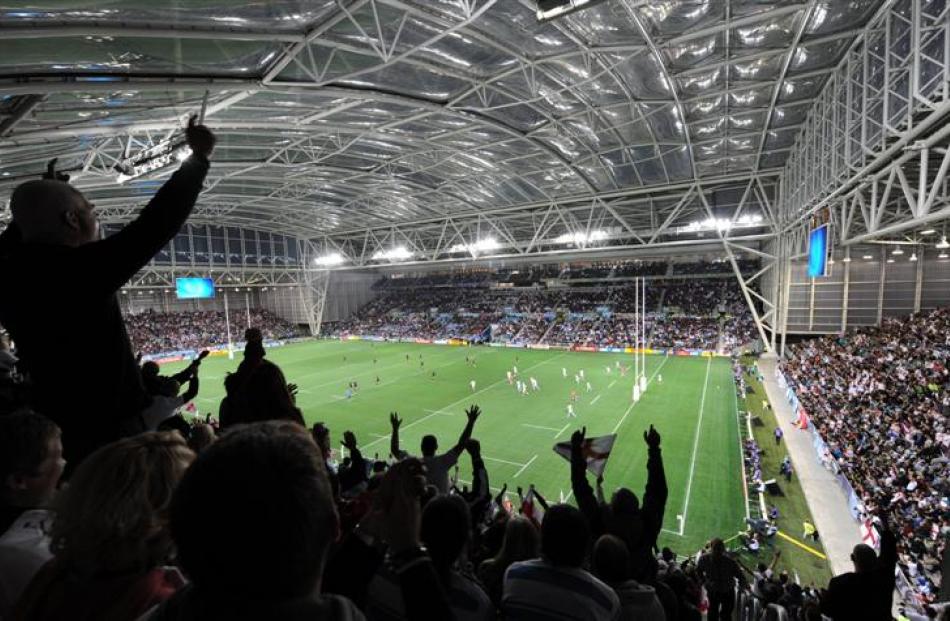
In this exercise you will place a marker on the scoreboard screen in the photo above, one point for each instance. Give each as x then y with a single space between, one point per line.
192 288
818 252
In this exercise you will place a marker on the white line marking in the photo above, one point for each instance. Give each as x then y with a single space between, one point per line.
463 399
539 427
692 461
595 400
525 466
649 381
561 431
611 384
504 461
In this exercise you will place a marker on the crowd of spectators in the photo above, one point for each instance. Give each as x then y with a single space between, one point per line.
691 313
880 398
153 332
253 515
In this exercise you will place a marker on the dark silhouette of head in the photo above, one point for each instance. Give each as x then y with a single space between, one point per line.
53 212
611 560
445 530
625 503
264 396
717 547
429 445
564 536
864 558
266 490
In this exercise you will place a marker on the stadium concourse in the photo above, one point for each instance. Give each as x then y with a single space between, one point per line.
568 310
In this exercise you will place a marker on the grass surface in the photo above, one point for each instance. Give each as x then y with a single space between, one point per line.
693 408
792 506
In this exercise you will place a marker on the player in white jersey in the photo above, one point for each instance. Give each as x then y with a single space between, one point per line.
617 363
581 373
534 385
518 386
659 379
577 378
607 368
508 375
570 411
589 387
472 384
524 388
515 369
564 372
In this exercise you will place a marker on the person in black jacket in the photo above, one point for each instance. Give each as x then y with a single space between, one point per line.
637 526
867 593
60 283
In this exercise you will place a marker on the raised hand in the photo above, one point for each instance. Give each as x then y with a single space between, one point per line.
473 413
577 438
349 440
394 420
292 389
200 138
652 438
52 174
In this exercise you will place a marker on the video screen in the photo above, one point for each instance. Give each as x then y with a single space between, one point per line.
192 288
818 252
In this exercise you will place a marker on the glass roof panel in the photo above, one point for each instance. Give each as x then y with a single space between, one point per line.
107 54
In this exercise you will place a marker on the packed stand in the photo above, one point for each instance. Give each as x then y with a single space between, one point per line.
153 332
880 398
590 316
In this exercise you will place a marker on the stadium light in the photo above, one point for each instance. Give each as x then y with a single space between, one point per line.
580 238
721 224
552 9
897 252
913 256
943 244
329 260
943 255
153 158
398 253
868 257
482 245
928 232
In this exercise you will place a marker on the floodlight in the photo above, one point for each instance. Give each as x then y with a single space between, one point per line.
552 9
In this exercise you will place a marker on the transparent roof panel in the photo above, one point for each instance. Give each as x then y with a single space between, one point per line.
344 115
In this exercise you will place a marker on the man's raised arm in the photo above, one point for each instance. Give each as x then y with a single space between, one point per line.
114 260
472 413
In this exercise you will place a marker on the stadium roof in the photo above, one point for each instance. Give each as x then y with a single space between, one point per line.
341 117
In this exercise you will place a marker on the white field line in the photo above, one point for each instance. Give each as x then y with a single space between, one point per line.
649 381
595 400
692 461
539 427
463 399
530 461
503 461
611 384
561 431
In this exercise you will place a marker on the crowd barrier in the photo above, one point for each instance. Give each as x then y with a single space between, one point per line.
904 586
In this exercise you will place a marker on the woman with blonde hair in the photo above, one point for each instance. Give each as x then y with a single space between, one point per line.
110 538
521 543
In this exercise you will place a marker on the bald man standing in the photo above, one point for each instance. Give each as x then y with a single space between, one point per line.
58 300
